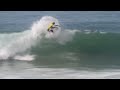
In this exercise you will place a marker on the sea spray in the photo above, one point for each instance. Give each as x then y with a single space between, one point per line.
22 42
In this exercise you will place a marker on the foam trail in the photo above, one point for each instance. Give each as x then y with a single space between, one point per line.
25 57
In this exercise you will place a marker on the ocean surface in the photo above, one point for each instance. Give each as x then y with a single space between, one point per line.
86 45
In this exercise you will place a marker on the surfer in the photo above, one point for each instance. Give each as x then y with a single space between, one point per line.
52 26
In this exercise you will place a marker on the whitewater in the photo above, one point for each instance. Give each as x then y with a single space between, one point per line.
17 45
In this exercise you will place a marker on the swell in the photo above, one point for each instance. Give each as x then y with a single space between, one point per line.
84 43
88 50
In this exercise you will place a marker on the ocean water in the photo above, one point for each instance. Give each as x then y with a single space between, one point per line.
86 45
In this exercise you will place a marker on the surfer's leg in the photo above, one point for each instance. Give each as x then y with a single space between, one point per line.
51 30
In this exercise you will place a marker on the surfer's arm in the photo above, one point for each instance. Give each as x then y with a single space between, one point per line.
57 25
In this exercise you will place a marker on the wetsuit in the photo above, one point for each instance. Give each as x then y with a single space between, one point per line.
50 26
